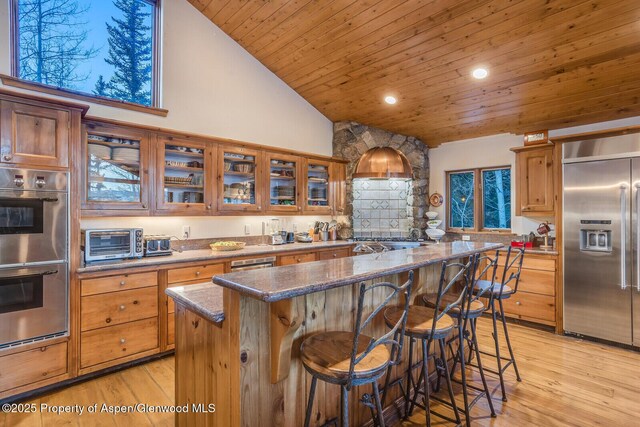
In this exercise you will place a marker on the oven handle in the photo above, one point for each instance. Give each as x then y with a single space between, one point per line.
48 199
44 273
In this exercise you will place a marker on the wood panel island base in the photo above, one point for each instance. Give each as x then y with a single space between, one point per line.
248 364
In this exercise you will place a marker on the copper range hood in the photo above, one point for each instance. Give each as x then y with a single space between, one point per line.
383 162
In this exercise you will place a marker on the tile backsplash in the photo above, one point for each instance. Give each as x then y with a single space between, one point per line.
381 208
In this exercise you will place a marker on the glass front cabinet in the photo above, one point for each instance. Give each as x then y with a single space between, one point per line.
283 189
116 167
317 186
239 179
184 176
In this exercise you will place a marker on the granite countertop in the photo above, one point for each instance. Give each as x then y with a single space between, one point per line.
278 283
204 299
210 255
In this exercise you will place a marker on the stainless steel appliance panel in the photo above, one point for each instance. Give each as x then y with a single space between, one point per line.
635 291
33 302
621 146
33 216
253 264
597 283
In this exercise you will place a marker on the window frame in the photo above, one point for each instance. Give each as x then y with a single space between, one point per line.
15 81
478 202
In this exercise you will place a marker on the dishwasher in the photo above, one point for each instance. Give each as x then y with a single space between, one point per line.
253 264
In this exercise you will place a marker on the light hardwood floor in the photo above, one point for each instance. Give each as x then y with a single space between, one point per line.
566 382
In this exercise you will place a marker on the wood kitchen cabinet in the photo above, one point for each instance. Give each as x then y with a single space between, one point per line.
535 190
115 170
338 180
184 176
34 135
283 192
535 299
118 319
317 186
240 179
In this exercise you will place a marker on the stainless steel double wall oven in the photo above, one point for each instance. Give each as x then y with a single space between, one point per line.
34 273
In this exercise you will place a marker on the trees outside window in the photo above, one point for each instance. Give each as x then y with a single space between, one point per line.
461 199
101 48
479 199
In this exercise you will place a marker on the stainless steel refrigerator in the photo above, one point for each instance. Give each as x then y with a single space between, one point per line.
602 239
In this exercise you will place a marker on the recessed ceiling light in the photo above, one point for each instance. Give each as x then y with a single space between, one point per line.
480 73
390 99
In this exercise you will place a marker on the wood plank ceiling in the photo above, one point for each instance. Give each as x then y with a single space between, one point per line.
552 63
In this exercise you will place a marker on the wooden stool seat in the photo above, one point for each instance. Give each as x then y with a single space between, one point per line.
482 286
329 355
420 321
475 310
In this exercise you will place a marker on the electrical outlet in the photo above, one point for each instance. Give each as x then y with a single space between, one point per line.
295 227
247 229
186 232
466 238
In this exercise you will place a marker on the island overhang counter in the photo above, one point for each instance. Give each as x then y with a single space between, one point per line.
238 347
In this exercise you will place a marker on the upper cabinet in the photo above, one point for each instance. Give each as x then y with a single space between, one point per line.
116 169
535 195
239 179
184 176
283 189
317 186
34 135
338 174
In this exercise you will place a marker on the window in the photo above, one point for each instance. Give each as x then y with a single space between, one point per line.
461 200
103 48
479 199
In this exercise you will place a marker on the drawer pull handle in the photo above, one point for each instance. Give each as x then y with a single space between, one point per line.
335 255
197 273
122 283
518 303
122 341
108 320
122 307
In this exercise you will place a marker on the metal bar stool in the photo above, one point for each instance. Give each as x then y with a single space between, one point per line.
465 316
351 359
431 325
499 291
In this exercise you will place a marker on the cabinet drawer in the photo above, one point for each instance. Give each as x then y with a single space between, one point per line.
531 307
121 282
338 253
19 369
98 311
200 272
105 344
297 259
171 329
532 262
534 281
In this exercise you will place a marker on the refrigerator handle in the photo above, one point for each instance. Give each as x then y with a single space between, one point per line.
637 185
623 236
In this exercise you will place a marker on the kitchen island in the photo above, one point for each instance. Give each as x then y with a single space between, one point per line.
242 354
